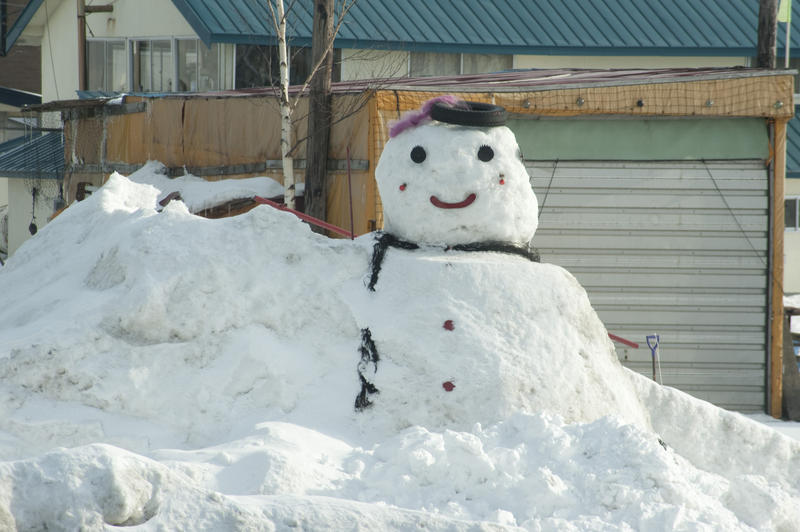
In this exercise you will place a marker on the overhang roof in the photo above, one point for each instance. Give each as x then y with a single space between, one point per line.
15 98
586 27
39 157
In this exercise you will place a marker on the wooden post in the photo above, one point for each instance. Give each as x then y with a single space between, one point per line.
319 111
81 45
767 30
776 259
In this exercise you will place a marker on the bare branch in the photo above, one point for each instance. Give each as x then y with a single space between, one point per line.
344 9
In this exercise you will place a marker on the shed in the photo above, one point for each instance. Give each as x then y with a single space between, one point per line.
661 190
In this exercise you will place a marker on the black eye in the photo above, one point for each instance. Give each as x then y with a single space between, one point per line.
485 153
418 154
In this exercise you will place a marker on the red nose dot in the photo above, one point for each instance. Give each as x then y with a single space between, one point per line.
449 325
448 386
403 186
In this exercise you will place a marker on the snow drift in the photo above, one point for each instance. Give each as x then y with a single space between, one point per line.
164 371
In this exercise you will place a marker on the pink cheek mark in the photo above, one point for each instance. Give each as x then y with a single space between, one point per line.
458 205
502 180
448 386
403 186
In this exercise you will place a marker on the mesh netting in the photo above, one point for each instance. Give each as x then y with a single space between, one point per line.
733 95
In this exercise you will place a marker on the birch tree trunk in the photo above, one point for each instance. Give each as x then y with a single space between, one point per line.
286 110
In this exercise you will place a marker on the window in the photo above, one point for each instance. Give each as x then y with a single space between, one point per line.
792 213
106 67
258 66
152 65
423 64
485 63
198 66
434 64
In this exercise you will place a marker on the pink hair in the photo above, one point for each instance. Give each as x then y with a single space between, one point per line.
414 118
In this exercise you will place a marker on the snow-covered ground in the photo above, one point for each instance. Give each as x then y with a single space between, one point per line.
168 372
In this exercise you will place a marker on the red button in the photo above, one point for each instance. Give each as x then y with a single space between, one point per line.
449 325
448 386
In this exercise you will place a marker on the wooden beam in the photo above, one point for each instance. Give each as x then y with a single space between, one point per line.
767 96
776 275
81 45
108 8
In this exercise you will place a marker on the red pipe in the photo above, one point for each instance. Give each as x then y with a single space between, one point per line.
623 341
305 217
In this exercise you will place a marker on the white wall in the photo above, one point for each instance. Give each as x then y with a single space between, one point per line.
130 18
371 64
791 247
139 18
19 212
367 64
593 61
60 51
3 191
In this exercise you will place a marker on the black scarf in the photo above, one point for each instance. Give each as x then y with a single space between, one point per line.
386 240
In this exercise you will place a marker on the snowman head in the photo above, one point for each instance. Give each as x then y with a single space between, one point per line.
453 174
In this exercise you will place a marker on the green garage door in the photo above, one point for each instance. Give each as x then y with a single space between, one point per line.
677 248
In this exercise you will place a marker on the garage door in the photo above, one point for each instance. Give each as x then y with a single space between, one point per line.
677 249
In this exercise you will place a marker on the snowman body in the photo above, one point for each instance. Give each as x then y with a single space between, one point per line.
452 337
467 337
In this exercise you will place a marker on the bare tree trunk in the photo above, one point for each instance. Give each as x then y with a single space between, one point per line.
767 29
286 110
319 116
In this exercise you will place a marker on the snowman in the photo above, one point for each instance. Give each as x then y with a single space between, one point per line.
460 322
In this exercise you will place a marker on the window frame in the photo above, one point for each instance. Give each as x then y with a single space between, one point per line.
796 200
174 66
460 61
106 74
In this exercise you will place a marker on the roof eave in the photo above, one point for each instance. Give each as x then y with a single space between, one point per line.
194 20
20 24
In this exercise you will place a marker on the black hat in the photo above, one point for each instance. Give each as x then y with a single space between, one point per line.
474 114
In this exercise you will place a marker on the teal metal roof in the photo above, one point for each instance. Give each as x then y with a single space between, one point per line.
585 27
793 145
38 157
18 98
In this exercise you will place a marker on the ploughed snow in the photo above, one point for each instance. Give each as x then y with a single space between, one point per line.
168 372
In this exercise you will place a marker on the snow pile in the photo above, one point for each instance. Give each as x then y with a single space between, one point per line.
164 371
197 195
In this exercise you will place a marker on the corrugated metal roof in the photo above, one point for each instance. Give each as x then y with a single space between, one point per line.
40 157
586 27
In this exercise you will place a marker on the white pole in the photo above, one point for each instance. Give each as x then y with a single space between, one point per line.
788 34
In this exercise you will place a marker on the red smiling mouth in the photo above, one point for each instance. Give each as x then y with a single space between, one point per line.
459 205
